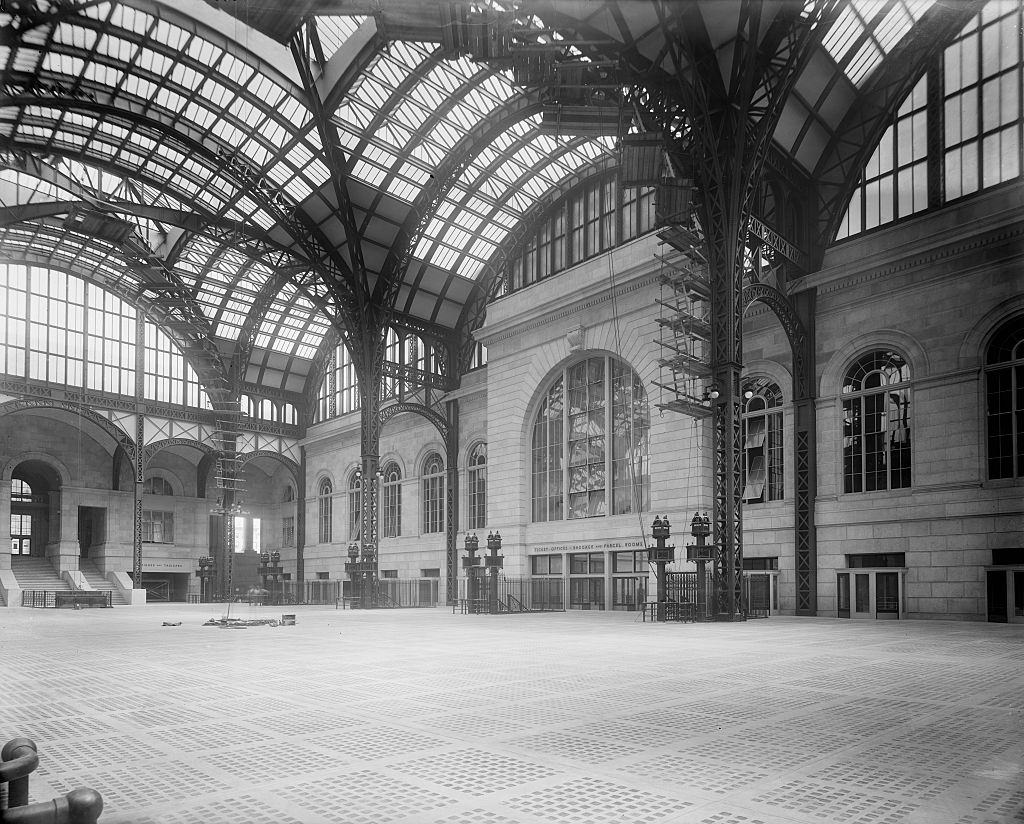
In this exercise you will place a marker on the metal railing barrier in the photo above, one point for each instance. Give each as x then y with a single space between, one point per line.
19 759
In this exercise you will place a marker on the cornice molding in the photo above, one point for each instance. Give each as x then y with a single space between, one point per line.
1011 237
513 327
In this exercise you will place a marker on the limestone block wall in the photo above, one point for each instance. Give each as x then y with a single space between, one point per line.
605 305
932 289
333 451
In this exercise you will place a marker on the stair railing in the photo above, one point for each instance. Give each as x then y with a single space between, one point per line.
18 760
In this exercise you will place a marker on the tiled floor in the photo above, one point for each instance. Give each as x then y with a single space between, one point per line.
424 717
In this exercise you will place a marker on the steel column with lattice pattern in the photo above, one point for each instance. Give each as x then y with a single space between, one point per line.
451 530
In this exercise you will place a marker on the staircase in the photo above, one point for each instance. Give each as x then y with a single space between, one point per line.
99 583
37 574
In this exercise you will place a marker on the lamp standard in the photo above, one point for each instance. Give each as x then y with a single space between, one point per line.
701 553
205 572
472 566
661 555
352 568
493 562
270 572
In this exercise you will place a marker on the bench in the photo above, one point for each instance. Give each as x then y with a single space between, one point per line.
77 600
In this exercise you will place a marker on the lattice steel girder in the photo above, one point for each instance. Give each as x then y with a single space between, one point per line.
334 157
839 170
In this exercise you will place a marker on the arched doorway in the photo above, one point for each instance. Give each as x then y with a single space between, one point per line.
35 508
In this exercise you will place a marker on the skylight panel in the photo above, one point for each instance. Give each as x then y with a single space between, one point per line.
412 114
318 173
429 153
171 101
203 51
117 48
216 93
471 268
80 37
863 63
174 37
236 70
444 258
896 24
403 189
334 30
186 77
127 17
137 86
368 174
155 61
482 249
60 63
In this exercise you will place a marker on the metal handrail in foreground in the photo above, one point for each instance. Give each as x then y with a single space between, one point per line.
18 760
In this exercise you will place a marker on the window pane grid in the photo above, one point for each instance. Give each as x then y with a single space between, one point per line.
876 424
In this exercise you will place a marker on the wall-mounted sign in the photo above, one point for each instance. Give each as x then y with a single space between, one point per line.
594 546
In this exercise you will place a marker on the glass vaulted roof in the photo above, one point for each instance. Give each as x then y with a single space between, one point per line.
191 155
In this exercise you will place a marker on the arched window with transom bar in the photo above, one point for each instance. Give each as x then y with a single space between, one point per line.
391 512
876 423
1004 401
325 510
355 505
590 443
478 487
762 442
433 494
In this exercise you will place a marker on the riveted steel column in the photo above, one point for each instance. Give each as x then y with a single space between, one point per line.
300 528
451 555
140 451
804 468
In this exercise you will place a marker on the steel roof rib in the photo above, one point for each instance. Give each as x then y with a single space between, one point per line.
445 176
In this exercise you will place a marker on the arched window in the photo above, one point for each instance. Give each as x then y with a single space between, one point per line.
1004 401
433 494
157 486
289 414
575 473
355 505
477 487
326 490
20 491
391 513
876 423
762 442
266 410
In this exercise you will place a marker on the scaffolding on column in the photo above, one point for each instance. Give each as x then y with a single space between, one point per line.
685 323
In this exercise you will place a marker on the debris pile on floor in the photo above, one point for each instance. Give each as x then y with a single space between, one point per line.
241 623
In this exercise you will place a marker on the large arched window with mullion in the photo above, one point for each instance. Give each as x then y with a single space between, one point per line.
1004 401
876 423
762 442
590 443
